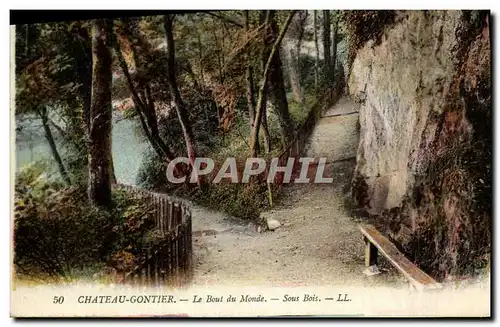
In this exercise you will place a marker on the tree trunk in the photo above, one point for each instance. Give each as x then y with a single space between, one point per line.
334 46
100 173
250 94
86 97
111 169
292 48
278 93
174 91
53 147
293 72
138 105
84 66
145 111
150 111
265 131
263 84
152 120
326 48
249 79
265 19
316 62
146 104
301 28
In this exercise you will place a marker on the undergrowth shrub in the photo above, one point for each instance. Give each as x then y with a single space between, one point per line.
57 233
445 223
244 201
152 172
239 200
455 223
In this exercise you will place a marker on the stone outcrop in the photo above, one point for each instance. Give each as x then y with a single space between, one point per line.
424 89
403 84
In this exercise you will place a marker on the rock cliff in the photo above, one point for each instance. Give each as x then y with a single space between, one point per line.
424 157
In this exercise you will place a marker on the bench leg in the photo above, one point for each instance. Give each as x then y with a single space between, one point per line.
371 253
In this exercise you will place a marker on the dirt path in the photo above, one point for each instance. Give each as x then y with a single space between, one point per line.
334 138
318 242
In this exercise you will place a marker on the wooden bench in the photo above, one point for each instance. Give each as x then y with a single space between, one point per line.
375 242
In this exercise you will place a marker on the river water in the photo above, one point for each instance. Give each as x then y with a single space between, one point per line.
127 147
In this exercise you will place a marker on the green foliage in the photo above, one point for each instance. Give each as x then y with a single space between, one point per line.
444 225
32 176
152 173
58 233
244 201
52 66
297 113
132 232
50 74
453 235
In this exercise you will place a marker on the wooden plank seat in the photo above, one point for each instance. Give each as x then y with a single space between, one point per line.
375 242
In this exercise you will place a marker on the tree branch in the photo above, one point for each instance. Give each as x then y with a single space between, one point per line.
229 20
124 67
57 127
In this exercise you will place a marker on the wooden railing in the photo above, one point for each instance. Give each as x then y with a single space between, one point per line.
170 261
375 242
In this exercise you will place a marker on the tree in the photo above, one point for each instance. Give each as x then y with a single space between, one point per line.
265 18
316 46
33 94
144 105
249 78
263 84
292 48
176 95
326 48
277 87
48 84
42 112
334 44
100 160
82 52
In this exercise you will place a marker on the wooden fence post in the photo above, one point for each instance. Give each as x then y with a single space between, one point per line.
172 260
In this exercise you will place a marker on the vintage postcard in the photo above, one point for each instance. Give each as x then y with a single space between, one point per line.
251 163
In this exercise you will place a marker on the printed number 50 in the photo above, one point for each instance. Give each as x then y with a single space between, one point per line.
58 299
